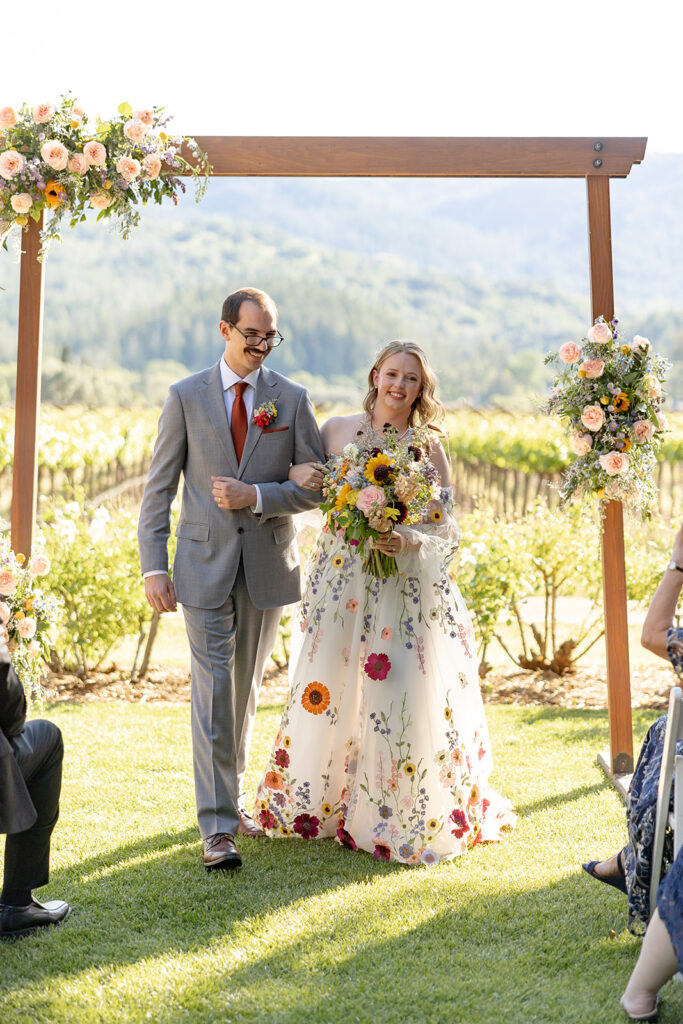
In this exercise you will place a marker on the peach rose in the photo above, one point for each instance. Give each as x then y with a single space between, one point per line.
11 163
77 113
39 565
26 628
145 115
569 352
369 496
151 165
614 463
21 202
643 430
100 200
652 386
42 113
55 154
600 333
128 168
78 164
134 129
662 420
592 368
641 344
8 582
593 417
8 118
95 154
4 613
581 444
34 649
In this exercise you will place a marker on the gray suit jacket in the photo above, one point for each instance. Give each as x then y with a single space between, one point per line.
194 439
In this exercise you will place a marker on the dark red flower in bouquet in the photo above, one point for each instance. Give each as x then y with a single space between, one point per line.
402 510
459 819
306 825
282 758
377 666
415 452
382 852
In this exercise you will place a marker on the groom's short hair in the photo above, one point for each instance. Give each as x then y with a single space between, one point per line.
231 307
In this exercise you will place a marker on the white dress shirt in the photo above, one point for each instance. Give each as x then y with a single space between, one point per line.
228 379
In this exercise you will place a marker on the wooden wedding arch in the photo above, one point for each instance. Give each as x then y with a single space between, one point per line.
597 159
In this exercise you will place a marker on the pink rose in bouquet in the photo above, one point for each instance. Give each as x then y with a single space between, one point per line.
593 368
100 200
39 565
8 117
78 164
128 168
95 154
369 498
600 333
151 165
643 430
569 352
614 463
26 628
55 154
11 163
134 129
8 582
593 417
42 113
21 202
581 444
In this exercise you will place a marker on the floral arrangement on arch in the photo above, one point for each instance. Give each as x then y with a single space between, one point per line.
27 614
610 393
52 158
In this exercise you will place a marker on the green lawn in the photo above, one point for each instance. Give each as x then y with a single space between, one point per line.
310 932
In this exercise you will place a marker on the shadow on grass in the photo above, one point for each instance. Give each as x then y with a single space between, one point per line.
153 896
558 799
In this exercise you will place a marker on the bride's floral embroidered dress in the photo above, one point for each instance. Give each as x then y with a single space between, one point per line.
383 743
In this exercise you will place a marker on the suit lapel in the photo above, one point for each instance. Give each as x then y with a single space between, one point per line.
215 409
266 391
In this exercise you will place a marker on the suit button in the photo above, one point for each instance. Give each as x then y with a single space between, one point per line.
240 529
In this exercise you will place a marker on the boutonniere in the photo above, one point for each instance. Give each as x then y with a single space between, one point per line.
265 415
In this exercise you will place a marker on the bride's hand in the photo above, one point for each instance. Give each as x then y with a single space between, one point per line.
391 544
308 475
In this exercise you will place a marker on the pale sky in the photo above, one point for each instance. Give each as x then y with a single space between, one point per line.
361 67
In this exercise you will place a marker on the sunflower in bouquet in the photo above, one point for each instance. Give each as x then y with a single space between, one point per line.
368 490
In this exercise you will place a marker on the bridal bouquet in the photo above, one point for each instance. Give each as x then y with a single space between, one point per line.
52 157
26 613
609 392
367 490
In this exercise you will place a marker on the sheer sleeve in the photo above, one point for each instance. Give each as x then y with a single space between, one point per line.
674 648
437 536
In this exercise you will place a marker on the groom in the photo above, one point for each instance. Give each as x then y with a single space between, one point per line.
233 431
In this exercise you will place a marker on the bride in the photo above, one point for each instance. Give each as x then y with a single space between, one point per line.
383 742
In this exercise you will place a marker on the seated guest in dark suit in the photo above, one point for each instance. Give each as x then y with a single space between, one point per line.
30 783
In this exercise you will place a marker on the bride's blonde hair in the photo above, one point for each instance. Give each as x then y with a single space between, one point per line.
427 410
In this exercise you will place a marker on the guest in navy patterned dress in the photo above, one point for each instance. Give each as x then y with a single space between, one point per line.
630 870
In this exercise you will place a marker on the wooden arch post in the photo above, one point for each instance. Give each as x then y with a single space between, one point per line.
377 157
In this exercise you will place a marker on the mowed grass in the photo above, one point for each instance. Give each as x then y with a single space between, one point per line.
311 932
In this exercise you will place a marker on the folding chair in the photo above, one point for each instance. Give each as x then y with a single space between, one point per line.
672 767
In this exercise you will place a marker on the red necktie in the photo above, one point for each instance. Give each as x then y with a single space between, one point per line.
238 419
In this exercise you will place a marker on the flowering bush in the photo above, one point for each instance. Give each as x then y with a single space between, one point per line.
51 158
26 612
610 394
367 490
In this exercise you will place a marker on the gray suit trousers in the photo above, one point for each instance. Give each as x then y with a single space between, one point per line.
229 647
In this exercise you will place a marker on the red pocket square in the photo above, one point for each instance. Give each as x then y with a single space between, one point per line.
273 430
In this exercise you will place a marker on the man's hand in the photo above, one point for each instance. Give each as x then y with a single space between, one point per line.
160 593
232 494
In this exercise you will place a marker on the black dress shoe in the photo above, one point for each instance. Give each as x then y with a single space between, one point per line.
221 853
18 921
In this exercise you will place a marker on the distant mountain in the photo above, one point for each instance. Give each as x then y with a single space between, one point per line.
487 275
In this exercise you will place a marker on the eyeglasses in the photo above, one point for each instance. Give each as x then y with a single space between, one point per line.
254 340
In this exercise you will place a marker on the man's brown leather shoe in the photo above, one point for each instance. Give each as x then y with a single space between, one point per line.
248 827
220 852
